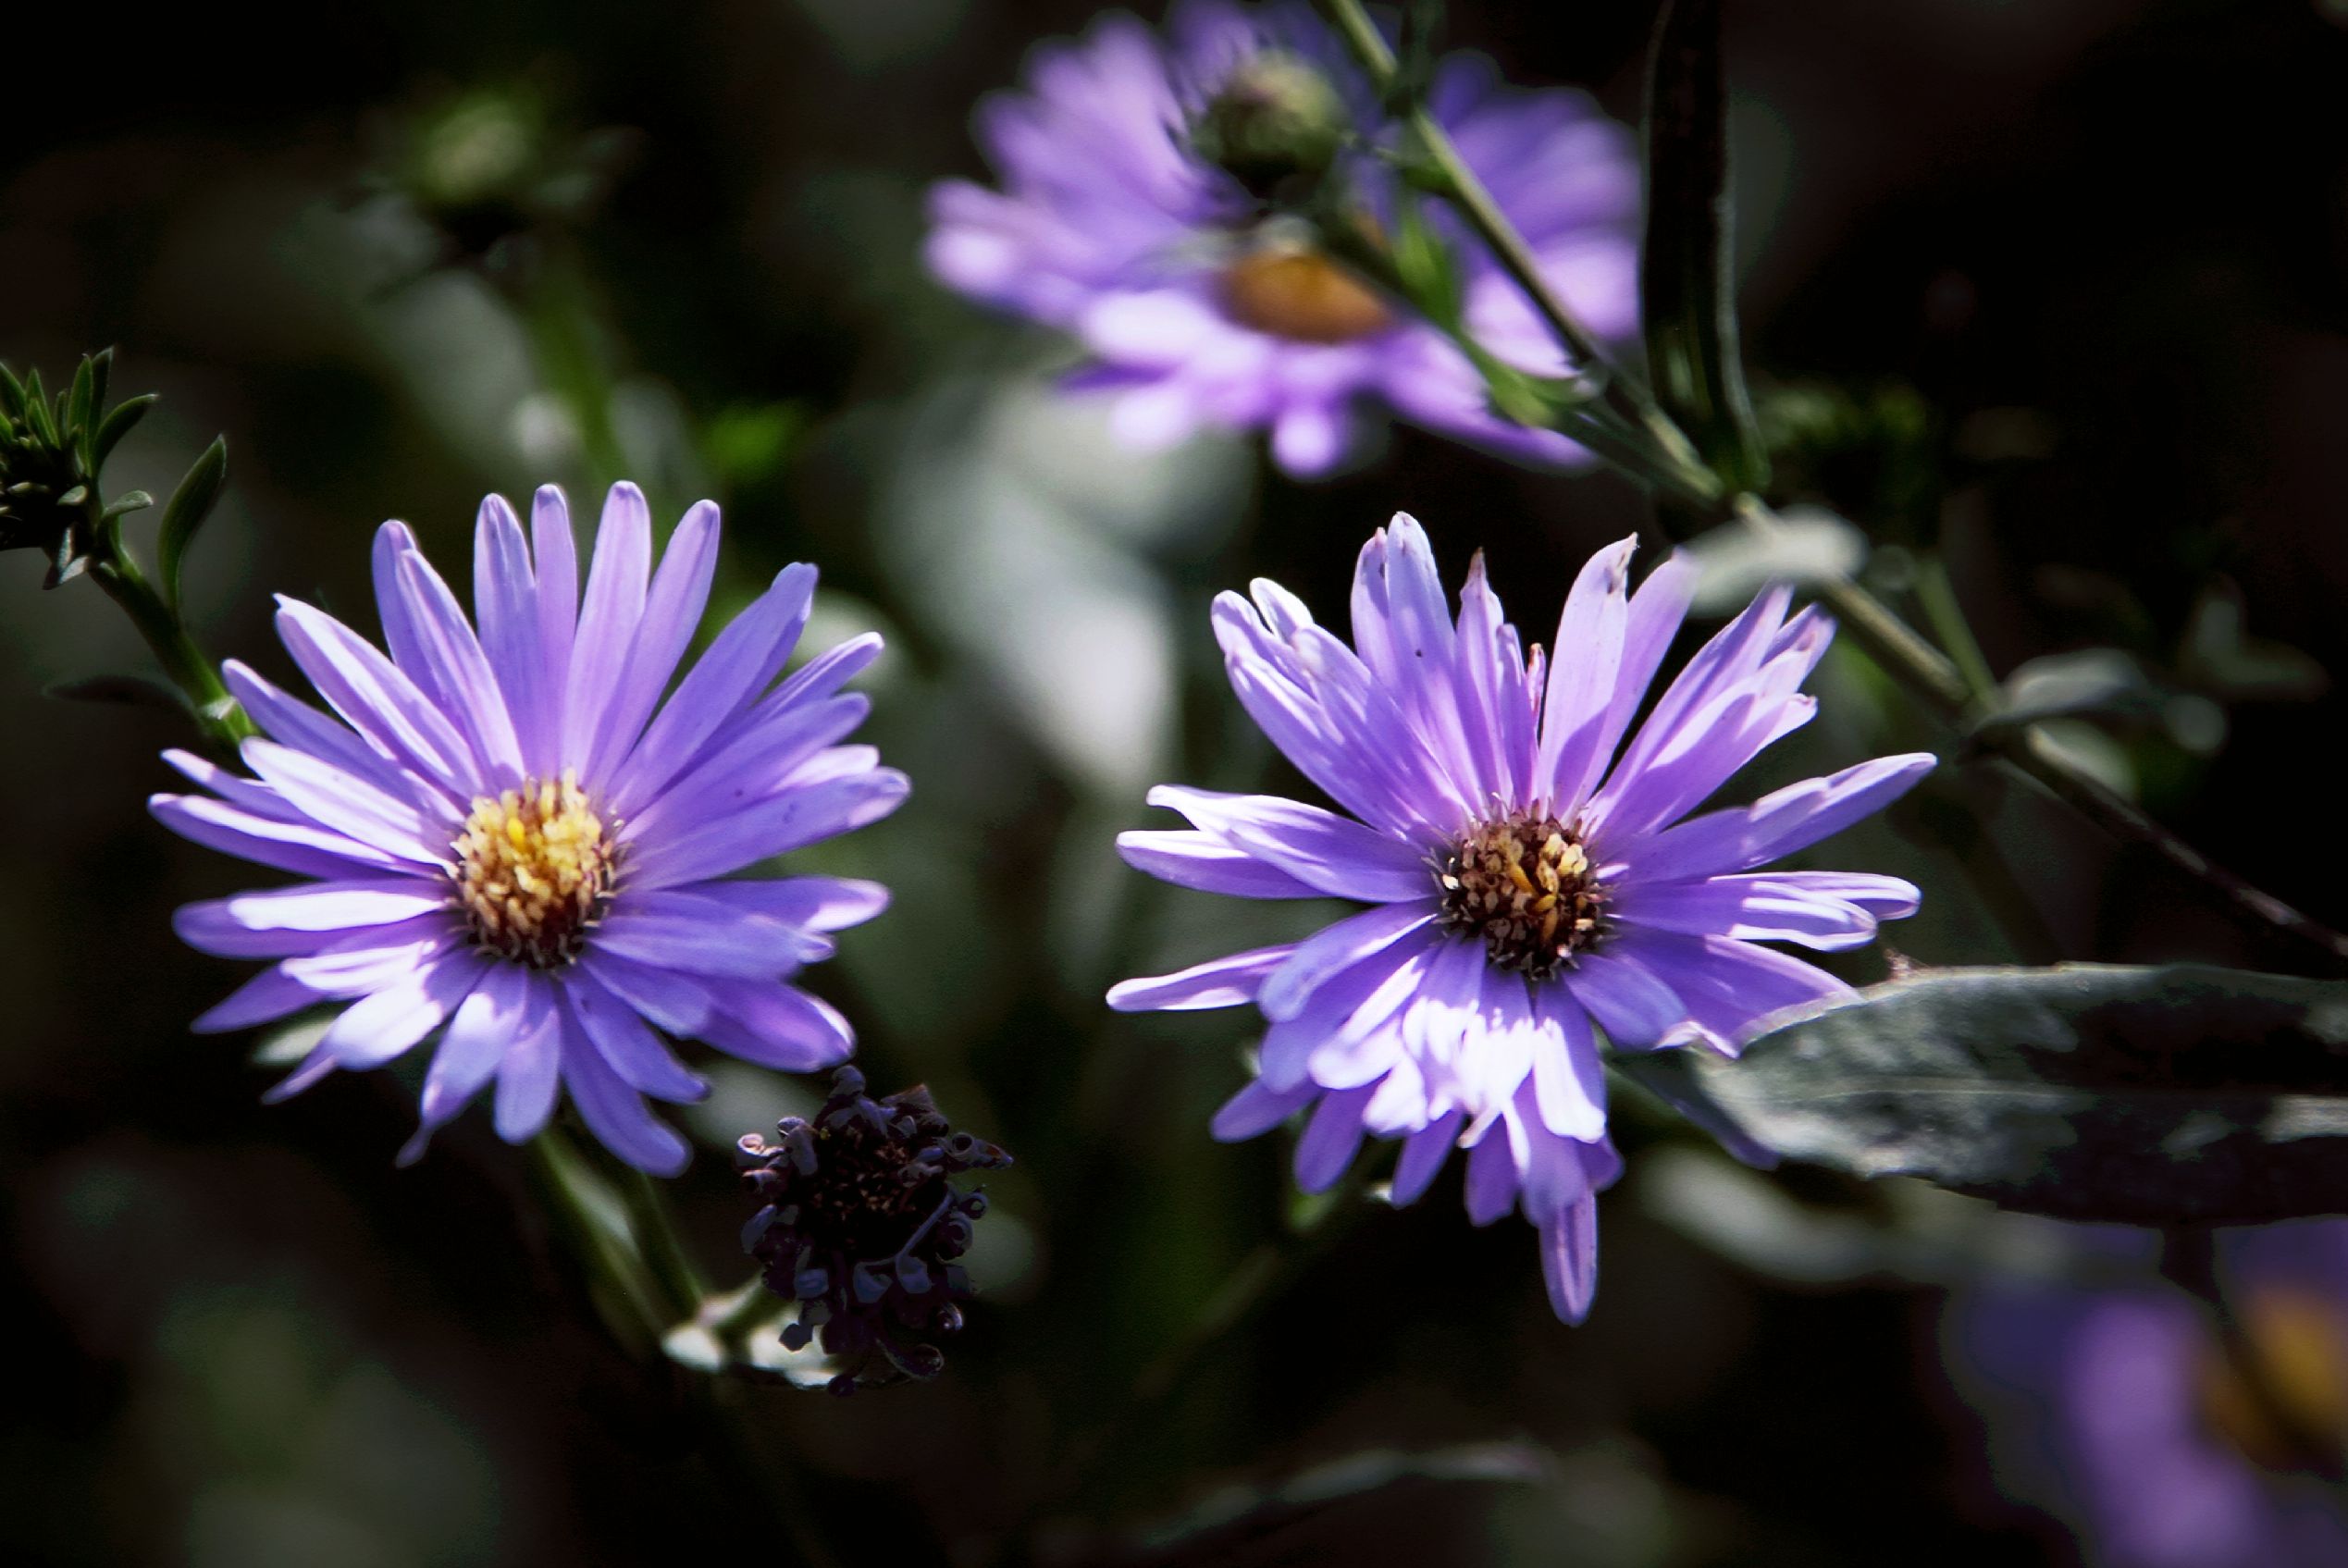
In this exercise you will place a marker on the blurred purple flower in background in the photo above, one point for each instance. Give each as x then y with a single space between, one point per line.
1197 310
2122 1413
511 841
1527 880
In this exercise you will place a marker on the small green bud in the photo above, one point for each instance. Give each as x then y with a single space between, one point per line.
1276 120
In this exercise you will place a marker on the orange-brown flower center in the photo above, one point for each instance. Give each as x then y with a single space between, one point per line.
1523 885
1294 293
2280 1395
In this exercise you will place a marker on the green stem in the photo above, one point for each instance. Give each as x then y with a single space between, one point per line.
678 1284
1946 618
624 1292
1465 191
115 570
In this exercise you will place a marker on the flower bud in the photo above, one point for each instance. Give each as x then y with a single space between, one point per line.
1276 119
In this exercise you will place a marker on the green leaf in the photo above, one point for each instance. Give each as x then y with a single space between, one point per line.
79 408
185 512
128 501
114 427
1687 266
2142 1095
120 691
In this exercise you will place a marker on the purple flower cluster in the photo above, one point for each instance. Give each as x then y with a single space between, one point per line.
1195 309
1530 865
2124 1413
511 840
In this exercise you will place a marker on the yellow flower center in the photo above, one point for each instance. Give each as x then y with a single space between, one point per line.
1524 884
2281 1396
1301 294
535 872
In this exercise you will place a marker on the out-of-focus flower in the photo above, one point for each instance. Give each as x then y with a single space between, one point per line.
512 836
1200 307
2126 1414
863 1228
1527 880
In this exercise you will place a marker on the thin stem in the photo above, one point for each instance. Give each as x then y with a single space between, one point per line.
1466 191
115 570
1946 618
678 1283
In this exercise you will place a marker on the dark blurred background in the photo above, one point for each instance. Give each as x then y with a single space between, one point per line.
2055 292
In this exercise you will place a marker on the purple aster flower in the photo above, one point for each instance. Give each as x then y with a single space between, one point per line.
1529 873
514 842
1197 309
2121 1413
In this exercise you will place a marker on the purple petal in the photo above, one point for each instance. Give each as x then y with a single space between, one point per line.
1635 1007
378 698
1330 952
1218 982
298 725
606 637
461 672
377 1028
642 1061
615 1114
746 657
1333 853
289 846
1569 1079
529 1073
788 821
777 1026
478 1036
1583 666
342 801
334 906
1190 858
372 959
810 903
1730 987
1751 908
671 614
505 602
1491 1180
1256 1109
1423 1156
1776 824
674 930
266 998
399 624
1569 1257
752 766
557 555
1330 1140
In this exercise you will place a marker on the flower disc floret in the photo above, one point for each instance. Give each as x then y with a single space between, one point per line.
1523 884
536 872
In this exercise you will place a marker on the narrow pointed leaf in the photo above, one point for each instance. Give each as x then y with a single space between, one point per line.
185 512
2140 1095
121 691
117 423
1687 266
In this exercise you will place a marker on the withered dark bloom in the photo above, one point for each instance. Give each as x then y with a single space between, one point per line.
864 1228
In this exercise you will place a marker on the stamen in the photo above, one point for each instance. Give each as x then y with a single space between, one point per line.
535 870
1524 884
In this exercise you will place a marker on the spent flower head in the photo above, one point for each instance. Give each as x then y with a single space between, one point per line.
863 1228
1533 874
513 843
1136 211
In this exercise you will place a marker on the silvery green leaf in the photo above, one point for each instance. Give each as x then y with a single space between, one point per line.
2142 1095
1803 545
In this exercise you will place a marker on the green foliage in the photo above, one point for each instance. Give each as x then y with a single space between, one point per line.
184 514
1687 265
2163 1095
